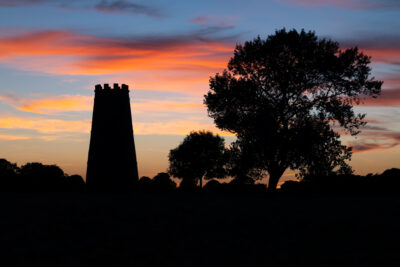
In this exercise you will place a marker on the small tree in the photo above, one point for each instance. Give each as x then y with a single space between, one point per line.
37 177
162 182
275 88
200 156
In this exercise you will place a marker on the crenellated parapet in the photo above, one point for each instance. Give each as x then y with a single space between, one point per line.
107 88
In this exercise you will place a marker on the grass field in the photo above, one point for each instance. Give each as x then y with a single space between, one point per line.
198 230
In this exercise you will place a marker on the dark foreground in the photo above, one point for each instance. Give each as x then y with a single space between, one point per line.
200 230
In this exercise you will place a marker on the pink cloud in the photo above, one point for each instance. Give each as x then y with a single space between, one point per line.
388 97
383 55
50 104
354 4
18 3
200 20
360 147
214 21
373 137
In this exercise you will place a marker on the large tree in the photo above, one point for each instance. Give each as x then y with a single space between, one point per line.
200 156
279 93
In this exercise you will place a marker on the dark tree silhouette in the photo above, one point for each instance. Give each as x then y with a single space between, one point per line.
8 175
38 177
389 181
200 155
145 184
321 151
74 183
212 186
163 182
275 88
243 164
188 184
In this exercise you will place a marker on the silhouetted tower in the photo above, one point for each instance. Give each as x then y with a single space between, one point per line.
112 165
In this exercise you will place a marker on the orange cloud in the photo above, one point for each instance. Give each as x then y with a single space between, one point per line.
50 105
188 82
58 126
13 137
45 125
68 103
82 54
175 127
61 103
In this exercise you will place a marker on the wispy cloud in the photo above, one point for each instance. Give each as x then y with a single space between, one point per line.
359 147
126 7
104 6
174 127
214 21
51 105
353 4
167 107
375 137
58 127
11 137
382 48
183 116
388 97
19 3
371 40
82 54
44 125
63 103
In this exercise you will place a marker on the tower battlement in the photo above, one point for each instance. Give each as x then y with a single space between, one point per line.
116 87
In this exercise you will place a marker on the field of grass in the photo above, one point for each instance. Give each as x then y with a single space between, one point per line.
198 230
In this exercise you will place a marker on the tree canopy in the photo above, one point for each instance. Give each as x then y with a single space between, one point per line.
37 177
282 97
200 155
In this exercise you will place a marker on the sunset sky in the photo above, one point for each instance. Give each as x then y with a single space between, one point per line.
53 53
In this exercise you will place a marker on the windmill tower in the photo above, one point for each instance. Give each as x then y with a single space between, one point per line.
112 165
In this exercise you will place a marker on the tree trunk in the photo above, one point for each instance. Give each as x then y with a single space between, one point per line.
274 177
201 182
273 183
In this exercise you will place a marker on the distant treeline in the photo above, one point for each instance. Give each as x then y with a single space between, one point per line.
38 177
386 183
